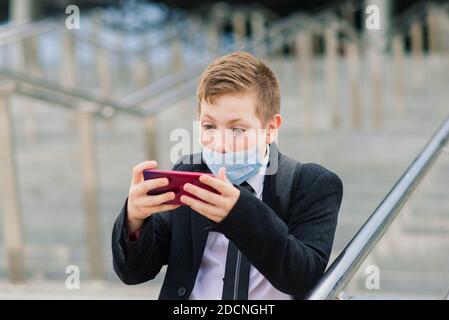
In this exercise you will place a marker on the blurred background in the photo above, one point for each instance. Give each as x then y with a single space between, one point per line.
80 107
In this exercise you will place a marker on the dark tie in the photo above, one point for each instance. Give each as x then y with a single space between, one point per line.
236 280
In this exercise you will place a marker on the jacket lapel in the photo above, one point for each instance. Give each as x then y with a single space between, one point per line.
200 226
270 194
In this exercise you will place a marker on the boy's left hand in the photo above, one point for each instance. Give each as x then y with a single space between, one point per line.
214 206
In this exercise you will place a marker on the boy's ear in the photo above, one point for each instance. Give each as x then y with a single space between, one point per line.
272 128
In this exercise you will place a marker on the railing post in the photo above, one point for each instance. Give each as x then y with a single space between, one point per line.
176 48
68 66
31 56
352 56
195 33
416 37
213 37
33 68
103 67
304 62
433 35
150 138
330 38
376 85
12 224
68 60
258 32
140 70
444 18
120 39
21 10
239 28
103 71
105 78
398 69
89 172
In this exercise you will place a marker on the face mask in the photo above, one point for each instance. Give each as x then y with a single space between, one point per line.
239 165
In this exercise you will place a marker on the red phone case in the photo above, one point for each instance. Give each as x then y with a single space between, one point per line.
176 179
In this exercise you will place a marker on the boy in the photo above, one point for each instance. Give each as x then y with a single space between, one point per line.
268 231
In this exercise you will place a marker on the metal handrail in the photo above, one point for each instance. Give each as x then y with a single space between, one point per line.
55 91
186 74
350 259
446 295
43 26
181 33
182 81
17 32
125 105
183 78
13 35
76 93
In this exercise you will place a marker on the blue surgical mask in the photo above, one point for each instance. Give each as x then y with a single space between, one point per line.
240 165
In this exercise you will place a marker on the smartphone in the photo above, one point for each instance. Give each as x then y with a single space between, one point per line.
176 181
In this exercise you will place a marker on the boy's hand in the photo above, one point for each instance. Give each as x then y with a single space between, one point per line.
141 205
215 206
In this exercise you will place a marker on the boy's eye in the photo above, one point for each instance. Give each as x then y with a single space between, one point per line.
207 126
238 131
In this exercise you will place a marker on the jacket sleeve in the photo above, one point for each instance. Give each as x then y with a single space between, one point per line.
291 256
141 260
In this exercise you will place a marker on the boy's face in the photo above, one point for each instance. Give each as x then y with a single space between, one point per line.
231 124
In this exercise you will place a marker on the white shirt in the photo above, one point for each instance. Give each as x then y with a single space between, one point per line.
209 280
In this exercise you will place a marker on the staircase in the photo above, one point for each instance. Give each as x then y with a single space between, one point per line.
369 159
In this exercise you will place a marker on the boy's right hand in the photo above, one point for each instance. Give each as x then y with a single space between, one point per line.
140 204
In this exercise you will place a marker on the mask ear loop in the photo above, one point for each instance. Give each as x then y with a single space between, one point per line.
267 139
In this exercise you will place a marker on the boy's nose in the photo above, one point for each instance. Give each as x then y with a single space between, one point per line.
219 146
222 143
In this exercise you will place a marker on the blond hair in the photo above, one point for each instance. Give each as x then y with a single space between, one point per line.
241 72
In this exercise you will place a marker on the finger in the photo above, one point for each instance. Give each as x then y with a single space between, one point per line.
201 207
137 176
222 174
157 200
204 194
151 184
219 185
